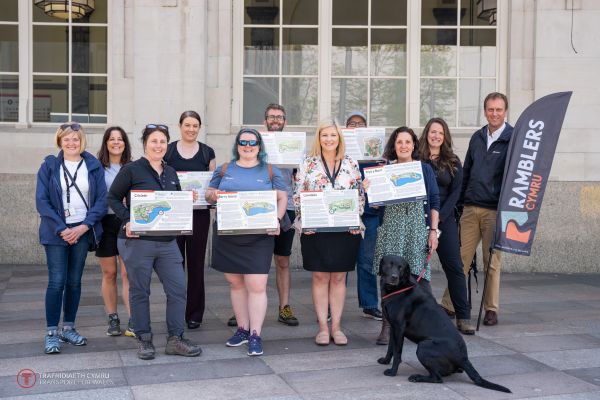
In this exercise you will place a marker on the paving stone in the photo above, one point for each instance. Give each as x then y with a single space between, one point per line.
569 396
525 344
492 366
246 387
591 375
405 390
121 393
569 359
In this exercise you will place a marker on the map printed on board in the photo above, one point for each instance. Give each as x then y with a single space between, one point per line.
158 213
252 212
196 181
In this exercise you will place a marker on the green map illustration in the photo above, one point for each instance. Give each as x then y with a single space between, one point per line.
287 146
257 207
146 213
345 205
373 146
192 184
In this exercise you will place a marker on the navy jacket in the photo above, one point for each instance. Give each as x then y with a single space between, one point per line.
49 204
483 169
433 192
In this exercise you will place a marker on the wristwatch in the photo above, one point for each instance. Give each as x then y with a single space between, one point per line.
437 232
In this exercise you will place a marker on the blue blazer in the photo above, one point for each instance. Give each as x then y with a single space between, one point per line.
49 204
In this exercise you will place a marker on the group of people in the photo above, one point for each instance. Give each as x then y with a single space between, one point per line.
84 201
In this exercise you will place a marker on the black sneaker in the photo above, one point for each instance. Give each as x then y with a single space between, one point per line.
232 322
372 313
114 325
255 345
178 345
146 349
286 316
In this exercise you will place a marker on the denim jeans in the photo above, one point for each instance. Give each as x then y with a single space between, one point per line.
65 268
366 281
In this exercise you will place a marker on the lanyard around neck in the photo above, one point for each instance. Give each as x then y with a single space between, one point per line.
67 176
335 171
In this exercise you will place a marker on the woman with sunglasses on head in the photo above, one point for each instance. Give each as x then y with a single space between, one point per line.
409 229
188 154
329 255
435 148
71 200
142 254
114 152
245 259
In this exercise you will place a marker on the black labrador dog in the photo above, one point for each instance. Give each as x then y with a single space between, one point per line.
413 313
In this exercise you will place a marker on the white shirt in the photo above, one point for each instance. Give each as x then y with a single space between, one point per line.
491 138
77 208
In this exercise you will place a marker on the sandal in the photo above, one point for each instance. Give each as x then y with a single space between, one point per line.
322 338
339 338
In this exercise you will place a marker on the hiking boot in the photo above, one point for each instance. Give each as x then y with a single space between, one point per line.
129 331
146 349
114 325
384 335
465 327
70 335
239 338
51 342
254 345
232 321
491 318
178 345
372 313
286 316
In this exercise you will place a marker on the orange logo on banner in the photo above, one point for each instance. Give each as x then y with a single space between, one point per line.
513 233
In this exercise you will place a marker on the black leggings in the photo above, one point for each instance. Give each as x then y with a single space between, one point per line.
449 253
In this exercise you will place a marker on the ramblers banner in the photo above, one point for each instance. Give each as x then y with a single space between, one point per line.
528 163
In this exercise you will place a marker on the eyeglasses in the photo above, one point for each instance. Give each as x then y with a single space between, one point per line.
74 126
158 126
354 124
242 142
275 117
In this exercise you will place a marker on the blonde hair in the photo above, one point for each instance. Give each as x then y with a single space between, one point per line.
315 150
61 133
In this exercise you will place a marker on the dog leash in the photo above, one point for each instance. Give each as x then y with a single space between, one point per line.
421 275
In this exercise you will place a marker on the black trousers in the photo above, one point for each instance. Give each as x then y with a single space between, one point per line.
193 250
449 253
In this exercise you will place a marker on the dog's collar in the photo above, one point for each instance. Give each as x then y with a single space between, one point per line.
406 289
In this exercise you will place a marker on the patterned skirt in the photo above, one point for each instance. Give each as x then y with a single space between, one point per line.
403 233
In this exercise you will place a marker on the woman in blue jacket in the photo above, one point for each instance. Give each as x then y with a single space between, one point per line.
71 200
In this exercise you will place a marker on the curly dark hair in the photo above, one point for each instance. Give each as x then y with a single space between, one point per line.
103 155
446 160
389 153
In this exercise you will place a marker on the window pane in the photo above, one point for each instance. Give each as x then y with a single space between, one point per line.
9 48
301 12
438 99
258 92
438 12
472 93
469 13
355 14
300 51
9 98
349 52
89 50
98 16
388 52
477 52
348 95
388 12
388 102
89 99
438 52
9 11
299 95
261 46
258 13
50 99
50 48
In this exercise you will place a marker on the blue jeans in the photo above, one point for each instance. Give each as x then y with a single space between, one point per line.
366 281
65 267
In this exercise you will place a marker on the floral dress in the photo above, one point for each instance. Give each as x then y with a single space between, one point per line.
328 251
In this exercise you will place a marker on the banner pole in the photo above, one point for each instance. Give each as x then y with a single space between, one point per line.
485 282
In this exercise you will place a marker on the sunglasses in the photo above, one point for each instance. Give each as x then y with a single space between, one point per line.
242 142
74 126
353 124
158 126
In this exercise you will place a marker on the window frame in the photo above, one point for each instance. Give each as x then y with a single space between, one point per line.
16 23
413 74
